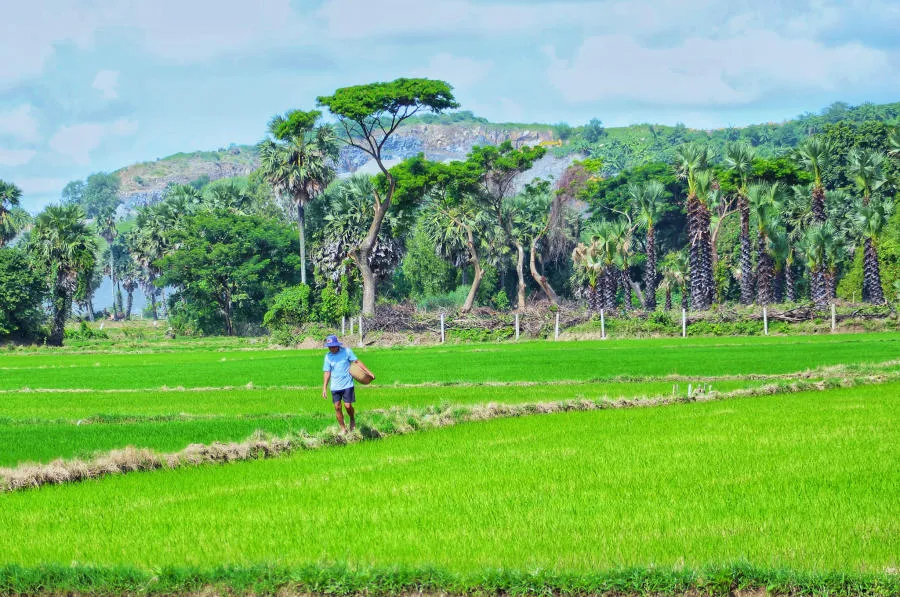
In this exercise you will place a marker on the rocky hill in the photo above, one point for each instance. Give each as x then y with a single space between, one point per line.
146 182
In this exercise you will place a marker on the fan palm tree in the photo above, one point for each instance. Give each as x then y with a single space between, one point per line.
10 195
821 248
871 219
106 224
739 159
648 202
297 162
762 199
62 243
866 166
814 154
596 256
691 160
894 142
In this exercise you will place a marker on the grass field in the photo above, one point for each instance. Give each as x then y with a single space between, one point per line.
785 487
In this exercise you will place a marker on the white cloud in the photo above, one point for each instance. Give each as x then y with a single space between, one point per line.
710 72
15 157
40 186
20 124
78 141
107 83
456 70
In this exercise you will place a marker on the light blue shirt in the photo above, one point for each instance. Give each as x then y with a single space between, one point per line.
339 365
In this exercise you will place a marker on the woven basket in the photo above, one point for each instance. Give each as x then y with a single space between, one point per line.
360 374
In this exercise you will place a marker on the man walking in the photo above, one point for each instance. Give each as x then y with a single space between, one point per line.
337 371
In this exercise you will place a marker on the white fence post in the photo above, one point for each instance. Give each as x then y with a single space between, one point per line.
343 324
684 323
351 326
765 322
517 326
442 328
556 331
360 331
833 319
602 324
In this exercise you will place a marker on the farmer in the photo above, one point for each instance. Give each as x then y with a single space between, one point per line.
337 371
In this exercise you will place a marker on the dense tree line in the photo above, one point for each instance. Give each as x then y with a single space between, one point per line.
712 218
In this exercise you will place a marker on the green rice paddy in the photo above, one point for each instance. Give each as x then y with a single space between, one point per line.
787 484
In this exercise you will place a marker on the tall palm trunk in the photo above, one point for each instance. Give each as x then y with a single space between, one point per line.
626 288
668 297
61 303
817 287
301 227
701 278
790 287
873 292
651 278
747 282
520 273
765 273
684 297
817 205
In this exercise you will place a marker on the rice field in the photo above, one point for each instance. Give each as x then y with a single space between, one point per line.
797 484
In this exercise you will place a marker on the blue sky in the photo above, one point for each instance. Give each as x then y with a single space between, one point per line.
89 86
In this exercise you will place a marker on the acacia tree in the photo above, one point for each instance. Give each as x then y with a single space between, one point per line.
814 154
691 160
739 159
63 245
368 116
297 162
649 203
500 166
867 169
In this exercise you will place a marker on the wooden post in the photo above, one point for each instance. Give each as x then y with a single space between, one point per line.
833 319
683 323
602 324
442 328
556 331
765 322
517 326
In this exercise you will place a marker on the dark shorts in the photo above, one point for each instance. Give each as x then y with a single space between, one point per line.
347 395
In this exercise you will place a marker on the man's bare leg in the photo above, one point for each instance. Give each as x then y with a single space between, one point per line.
352 412
340 415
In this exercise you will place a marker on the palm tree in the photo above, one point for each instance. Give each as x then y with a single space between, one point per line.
814 153
783 255
10 195
596 257
648 201
871 219
62 243
894 142
821 248
691 160
739 159
298 164
763 200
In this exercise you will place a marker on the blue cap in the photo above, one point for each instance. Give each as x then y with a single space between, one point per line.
332 341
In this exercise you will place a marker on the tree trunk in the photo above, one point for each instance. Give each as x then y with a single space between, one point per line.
609 287
684 297
520 274
112 278
765 273
61 303
626 289
701 278
650 275
540 278
301 217
153 304
368 243
779 286
817 205
165 303
790 287
226 311
668 298
747 282
818 287
479 272
89 302
130 302
872 274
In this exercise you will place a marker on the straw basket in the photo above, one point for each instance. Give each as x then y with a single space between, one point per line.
360 374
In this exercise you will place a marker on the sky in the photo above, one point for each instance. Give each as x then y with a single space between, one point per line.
88 86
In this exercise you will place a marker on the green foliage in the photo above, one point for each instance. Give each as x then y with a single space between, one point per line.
329 304
22 291
455 117
396 99
100 196
500 301
85 332
425 272
292 307
227 267
293 124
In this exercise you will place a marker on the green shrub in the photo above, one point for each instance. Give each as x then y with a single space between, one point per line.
447 300
500 300
85 332
291 307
